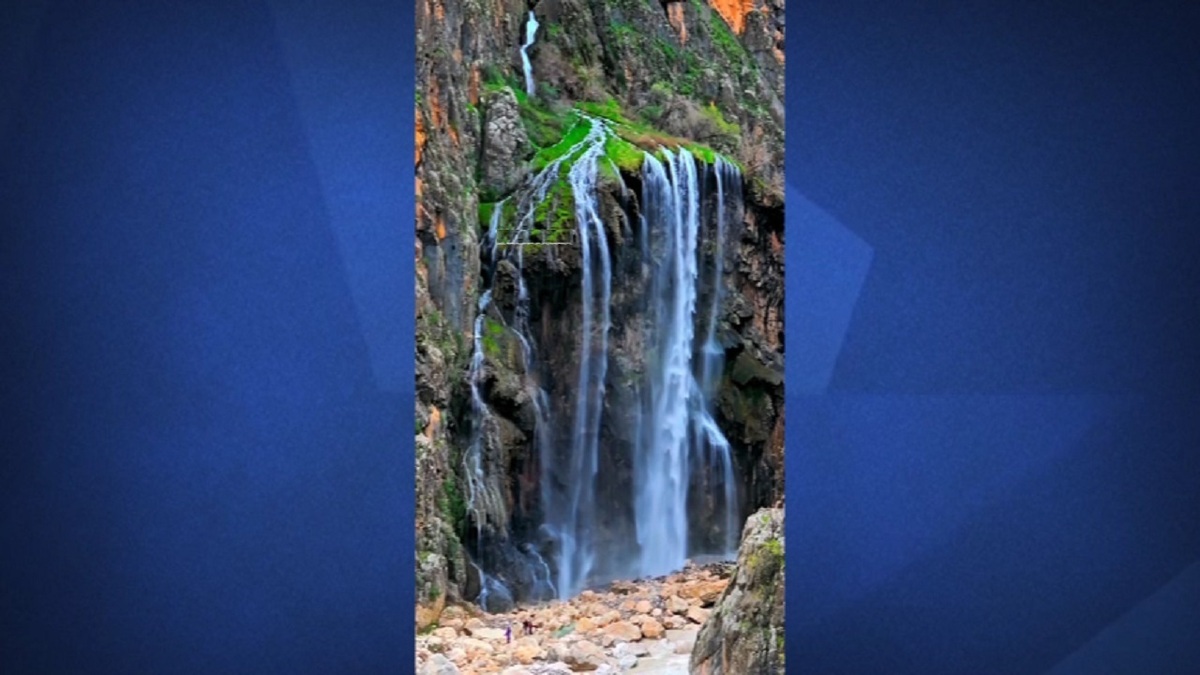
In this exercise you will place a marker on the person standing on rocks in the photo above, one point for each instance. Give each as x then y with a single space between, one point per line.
508 634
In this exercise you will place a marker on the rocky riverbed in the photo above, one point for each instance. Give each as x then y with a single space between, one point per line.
646 626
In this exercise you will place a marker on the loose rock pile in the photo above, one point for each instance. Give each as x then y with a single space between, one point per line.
599 631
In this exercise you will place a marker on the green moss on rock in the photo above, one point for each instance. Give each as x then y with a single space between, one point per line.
453 506
578 131
625 155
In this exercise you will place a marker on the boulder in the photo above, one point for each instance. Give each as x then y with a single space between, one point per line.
652 629
745 632
697 614
677 605
585 655
505 144
623 630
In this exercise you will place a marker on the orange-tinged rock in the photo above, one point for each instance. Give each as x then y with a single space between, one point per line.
476 648
734 12
427 615
526 654
473 86
435 419
437 114
677 20
677 605
706 592
623 630
651 629
608 617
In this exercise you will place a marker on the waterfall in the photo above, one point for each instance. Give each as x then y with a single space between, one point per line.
473 458
682 435
677 442
661 473
576 520
713 444
567 492
544 580
531 27
490 586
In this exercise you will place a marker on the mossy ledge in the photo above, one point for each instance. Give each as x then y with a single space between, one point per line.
557 132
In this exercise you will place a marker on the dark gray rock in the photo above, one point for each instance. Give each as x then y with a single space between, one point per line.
745 632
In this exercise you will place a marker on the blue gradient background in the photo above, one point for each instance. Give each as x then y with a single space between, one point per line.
992 468
992 366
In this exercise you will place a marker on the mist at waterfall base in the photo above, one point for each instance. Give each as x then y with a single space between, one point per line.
677 451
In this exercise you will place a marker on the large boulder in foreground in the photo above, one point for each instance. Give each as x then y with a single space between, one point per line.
744 634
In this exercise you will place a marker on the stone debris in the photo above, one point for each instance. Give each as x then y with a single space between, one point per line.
598 632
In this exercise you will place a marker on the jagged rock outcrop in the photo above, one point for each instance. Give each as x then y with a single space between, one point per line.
710 73
745 632
505 147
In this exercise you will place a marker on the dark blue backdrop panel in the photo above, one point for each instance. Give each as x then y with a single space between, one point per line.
1151 628
1027 180
997 534
208 374
921 466
999 475
827 264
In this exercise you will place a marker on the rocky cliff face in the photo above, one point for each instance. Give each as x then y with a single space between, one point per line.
676 74
745 632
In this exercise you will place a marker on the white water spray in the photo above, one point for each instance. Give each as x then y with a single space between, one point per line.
662 472
681 436
531 27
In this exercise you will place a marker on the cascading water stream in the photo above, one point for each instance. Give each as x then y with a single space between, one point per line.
681 435
713 444
531 27
676 433
578 556
473 458
477 497
662 469
569 512
473 469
